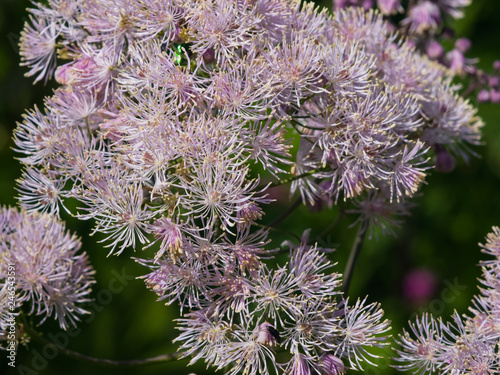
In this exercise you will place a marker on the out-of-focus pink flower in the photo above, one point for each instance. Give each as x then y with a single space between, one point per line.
339 4
444 161
68 73
495 96
463 44
389 6
453 8
494 81
333 365
456 61
434 50
483 96
423 17
419 285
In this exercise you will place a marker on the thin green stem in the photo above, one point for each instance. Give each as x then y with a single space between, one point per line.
100 361
265 226
88 127
472 87
329 228
303 100
295 122
298 177
353 256
285 214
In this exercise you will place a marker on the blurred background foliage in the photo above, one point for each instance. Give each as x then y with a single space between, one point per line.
437 246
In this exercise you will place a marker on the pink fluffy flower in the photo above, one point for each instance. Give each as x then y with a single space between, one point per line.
52 279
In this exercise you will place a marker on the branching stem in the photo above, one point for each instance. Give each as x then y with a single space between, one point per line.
287 213
353 256
329 228
101 361
298 177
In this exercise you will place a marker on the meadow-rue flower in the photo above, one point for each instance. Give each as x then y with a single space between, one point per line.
175 116
52 279
424 17
467 344
144 102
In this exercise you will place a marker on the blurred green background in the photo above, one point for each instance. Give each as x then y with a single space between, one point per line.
454 212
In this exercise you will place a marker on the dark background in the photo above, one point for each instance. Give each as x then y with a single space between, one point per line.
454 212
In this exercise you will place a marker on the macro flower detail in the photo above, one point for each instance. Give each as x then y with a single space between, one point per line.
467 344
175 119
307 324
52 279
176 132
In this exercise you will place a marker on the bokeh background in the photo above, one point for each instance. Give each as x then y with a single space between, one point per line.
436 248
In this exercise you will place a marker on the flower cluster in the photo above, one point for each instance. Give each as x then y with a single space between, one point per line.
164 105
164 109
241 310
49 277
469 344
424 24
423 15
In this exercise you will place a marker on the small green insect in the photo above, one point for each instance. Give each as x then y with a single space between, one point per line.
178 54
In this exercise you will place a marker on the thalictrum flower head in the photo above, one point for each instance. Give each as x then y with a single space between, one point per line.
51 278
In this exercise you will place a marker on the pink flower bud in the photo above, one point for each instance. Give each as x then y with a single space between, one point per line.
456 61
494 81
434 50
463 44
62 74
68 73
424 17
209 56
483 96
333 365
389 6
444 161
496 64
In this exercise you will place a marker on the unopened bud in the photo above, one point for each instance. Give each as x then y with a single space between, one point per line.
389 6
483 96
456 61
494 81
463 44
444 161
333 365
424 17
495 96
62 74
434 50
209 56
